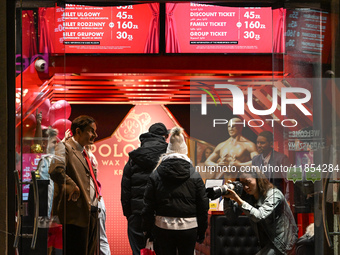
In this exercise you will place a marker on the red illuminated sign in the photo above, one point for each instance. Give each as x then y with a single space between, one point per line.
201 28
96 29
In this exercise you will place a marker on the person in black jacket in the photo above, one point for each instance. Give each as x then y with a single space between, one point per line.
136 173
175 202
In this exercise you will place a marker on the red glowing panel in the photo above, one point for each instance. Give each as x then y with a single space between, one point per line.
201 28
97 29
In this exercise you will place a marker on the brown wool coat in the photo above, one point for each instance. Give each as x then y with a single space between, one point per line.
68 169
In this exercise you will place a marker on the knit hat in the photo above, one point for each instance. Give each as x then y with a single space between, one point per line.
177 142
158 129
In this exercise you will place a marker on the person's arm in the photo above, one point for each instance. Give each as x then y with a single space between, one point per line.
231 209
67 136
58 174
148 212
237 163
231 204
272 200
125 197
37 141
252 150
202 205
38 129
212 159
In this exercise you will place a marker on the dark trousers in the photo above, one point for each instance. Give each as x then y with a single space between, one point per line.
135 234
169 242
81 240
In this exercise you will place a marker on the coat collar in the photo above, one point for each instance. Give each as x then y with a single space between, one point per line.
78 151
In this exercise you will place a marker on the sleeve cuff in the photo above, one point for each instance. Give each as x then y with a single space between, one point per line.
246 206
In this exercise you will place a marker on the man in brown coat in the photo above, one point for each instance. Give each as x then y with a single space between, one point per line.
76 189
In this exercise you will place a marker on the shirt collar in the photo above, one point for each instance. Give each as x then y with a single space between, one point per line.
78 146
267 158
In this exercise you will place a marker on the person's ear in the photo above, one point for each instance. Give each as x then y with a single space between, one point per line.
78 131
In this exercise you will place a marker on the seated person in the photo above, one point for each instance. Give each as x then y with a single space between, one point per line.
268 211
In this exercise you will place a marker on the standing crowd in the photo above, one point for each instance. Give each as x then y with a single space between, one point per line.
163 197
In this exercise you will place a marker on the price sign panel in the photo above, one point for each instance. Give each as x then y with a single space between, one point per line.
308 35
202 28
119 29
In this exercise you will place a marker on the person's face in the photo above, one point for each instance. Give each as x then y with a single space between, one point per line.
249 184
52 143
234 130
87 136
263 146
208 152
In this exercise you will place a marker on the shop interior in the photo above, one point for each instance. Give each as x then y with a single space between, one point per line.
159 79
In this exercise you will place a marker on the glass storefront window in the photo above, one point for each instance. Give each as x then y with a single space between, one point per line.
72 58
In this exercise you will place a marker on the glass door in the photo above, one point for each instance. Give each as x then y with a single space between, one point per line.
41 122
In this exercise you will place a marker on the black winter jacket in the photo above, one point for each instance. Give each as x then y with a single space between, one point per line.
175 189
142 162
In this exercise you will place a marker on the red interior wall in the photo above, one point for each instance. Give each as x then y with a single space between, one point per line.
159 63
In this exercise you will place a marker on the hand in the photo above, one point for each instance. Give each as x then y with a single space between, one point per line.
222 161
74 195
234 162
67 135
231 194
38 116
148 235
200 238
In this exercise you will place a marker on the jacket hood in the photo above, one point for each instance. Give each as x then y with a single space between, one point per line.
175 170
150 137
147 156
